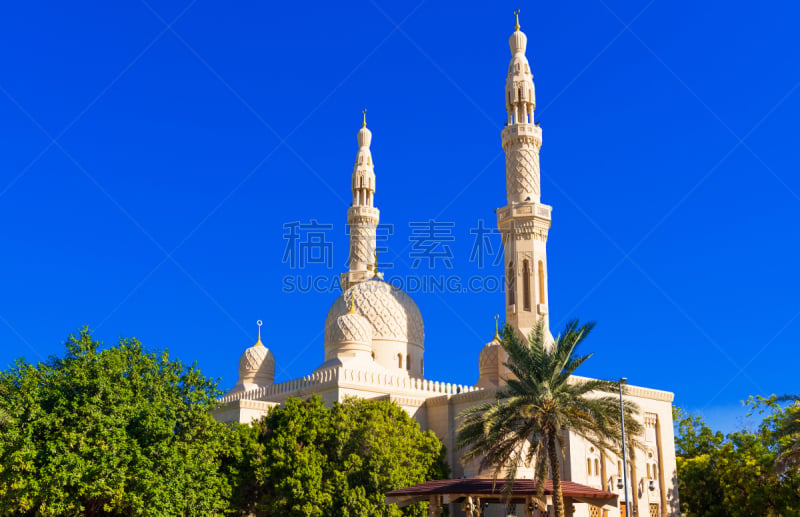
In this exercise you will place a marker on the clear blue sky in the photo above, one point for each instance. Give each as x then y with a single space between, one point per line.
147 172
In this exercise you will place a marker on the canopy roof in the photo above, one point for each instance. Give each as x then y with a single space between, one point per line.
492 490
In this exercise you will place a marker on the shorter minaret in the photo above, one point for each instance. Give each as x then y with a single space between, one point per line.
362 216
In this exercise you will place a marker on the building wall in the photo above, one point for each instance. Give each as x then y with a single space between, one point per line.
436 407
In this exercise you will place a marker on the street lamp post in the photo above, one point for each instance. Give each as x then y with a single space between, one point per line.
624 456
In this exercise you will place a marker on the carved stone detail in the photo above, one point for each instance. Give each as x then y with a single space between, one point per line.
522 174
351 328
392 313
362 243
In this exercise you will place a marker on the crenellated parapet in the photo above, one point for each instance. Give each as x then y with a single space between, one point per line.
344 377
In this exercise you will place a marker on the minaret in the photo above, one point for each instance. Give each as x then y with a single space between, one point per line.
362 216
524 221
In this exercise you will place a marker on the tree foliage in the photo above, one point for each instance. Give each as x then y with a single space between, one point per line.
123 431
315 461
787 433
738 474
528 422
116 431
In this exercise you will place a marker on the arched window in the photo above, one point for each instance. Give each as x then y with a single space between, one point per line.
541 282
421 366
593 459
510 283
526 285
408 362
651 466
399 360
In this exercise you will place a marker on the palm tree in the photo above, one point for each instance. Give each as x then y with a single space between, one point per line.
788 432
529 421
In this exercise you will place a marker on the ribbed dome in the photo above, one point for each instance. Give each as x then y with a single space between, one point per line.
392 314
518 42
364 137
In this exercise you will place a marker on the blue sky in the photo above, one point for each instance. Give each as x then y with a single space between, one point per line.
152 154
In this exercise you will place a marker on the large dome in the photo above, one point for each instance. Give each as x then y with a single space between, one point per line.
392 313
398 335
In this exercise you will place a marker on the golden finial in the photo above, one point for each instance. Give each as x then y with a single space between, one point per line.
375 267
352 305
516 14
496 328
364 112
259 323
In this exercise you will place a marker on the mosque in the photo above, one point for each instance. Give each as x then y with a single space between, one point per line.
374 340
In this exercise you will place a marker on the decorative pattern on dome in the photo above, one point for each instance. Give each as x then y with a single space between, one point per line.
350 327
257 357
488 358
391 312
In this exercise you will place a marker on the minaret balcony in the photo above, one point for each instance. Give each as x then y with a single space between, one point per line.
363 211
531 130
524 211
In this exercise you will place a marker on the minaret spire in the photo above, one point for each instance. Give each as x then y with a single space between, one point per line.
362 216
524 221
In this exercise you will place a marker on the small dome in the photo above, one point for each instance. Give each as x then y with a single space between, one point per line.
518 42
257 365
364 137
348 336
489 364
349 328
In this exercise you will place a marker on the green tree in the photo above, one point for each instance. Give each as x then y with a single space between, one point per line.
378 447
339 461
735 475
531 417
117 431
787 432
5 419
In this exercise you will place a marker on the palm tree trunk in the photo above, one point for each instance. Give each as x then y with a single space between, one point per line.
558 498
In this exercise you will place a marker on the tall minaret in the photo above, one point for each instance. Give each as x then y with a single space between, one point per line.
524 221
362 216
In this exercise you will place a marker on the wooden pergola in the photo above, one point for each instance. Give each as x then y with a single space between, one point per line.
473 493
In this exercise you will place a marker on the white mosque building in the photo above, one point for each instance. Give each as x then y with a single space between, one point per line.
375 340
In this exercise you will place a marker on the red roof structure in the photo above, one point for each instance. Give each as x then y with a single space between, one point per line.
490 490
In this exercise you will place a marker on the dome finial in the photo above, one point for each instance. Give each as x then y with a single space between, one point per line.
516 14
259 323
364 112
496 328
352 305
375 267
